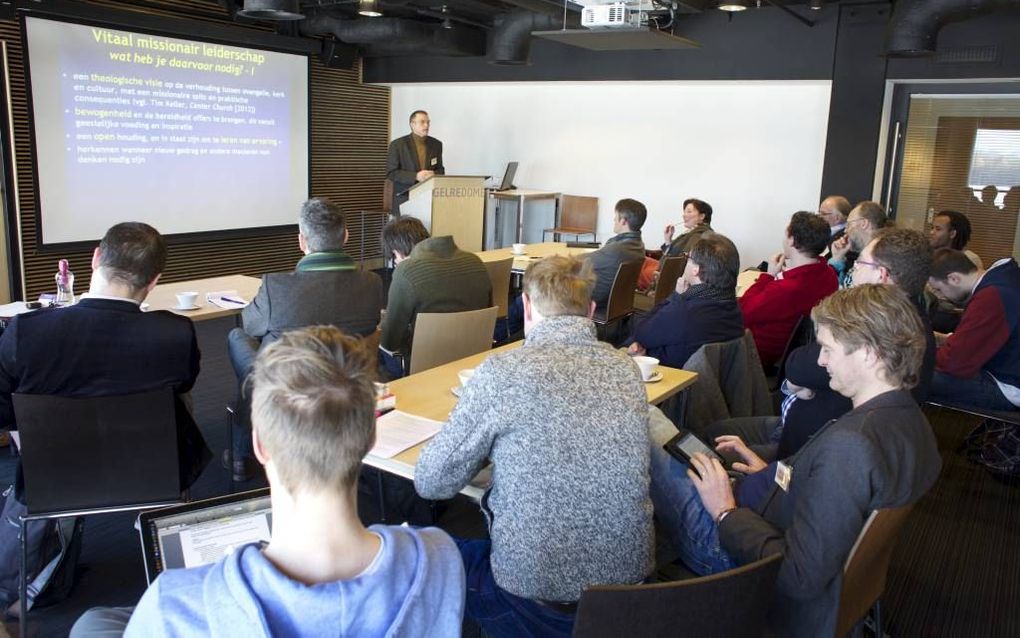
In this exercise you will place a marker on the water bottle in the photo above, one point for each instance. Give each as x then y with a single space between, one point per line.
65 284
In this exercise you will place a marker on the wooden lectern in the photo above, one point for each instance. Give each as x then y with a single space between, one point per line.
450 205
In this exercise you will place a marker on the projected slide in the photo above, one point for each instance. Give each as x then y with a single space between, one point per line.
187 136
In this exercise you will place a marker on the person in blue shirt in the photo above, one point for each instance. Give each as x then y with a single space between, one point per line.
322 572
703 309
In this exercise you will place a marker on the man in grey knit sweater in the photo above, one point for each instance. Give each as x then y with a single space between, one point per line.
564 420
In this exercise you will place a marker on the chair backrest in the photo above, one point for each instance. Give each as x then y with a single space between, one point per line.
733 603
621 295
499 273
730 384
671 270
577 211
89 453
803 333
867 565
442 337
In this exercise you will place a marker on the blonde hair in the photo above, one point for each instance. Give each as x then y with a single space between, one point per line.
313 406
882 319
560 286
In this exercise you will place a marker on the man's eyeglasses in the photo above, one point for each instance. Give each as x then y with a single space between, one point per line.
870 264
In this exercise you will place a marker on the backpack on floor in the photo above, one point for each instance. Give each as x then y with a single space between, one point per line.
996 445
53 550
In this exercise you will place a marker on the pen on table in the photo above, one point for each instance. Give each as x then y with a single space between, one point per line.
233 299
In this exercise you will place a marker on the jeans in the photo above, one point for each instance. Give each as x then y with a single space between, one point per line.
242 350
979 391
690 528
393 366
102 622
499 612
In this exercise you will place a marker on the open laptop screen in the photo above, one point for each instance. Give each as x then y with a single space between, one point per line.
202 532
508 177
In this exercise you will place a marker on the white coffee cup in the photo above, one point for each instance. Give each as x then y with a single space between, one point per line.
519 249
186 299
465 376
647 365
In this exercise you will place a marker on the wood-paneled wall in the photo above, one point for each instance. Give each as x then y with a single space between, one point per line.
349 135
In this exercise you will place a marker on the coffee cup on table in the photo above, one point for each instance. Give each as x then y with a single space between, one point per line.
465 376
186 299
647 365
519 249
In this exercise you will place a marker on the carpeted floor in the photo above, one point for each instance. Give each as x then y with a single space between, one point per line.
955 572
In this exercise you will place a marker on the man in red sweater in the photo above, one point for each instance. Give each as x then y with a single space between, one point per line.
979 363
796 280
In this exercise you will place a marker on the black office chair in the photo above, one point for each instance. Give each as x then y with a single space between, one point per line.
85 456
732 604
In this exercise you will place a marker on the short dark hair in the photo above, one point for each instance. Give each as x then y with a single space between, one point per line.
632 212
874 213
322 224
402 234
702 207
413 113
718 260
132 253
907 255
810 233
950 260
958 222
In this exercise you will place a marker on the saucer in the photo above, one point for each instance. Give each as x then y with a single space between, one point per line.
194 307
455 391
655 378
520 254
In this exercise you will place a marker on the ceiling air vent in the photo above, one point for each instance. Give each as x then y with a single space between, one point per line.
967 55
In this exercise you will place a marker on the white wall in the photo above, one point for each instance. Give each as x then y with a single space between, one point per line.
753 150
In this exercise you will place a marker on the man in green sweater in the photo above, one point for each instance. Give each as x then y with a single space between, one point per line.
431 275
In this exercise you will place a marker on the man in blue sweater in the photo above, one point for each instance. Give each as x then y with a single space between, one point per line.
322 572
703 309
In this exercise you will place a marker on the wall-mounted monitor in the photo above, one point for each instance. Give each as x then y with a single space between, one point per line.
189 136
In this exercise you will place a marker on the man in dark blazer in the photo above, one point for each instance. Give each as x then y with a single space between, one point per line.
326 288
105 345
413 158
626 246
812 506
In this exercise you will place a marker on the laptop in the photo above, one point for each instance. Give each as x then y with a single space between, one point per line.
508 177
202 532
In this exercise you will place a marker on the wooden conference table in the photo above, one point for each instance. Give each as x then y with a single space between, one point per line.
427 394
532 252
164 296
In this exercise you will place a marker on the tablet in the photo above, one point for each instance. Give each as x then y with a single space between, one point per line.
685 444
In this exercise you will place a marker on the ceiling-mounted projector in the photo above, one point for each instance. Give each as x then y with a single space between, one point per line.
603 16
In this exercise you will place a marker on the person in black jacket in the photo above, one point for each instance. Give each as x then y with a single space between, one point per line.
811 506
105 345
703 309
413 158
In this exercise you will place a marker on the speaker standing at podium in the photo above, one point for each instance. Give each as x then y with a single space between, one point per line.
413 158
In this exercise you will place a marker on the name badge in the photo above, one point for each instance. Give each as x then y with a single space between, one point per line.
784 473
435 160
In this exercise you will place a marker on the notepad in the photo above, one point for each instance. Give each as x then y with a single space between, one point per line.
397 431
228 299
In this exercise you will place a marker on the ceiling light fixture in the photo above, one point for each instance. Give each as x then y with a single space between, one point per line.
447 24
369 8
815 5
272 10
732 5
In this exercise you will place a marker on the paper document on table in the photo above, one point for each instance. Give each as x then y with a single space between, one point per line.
396 431
228 299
